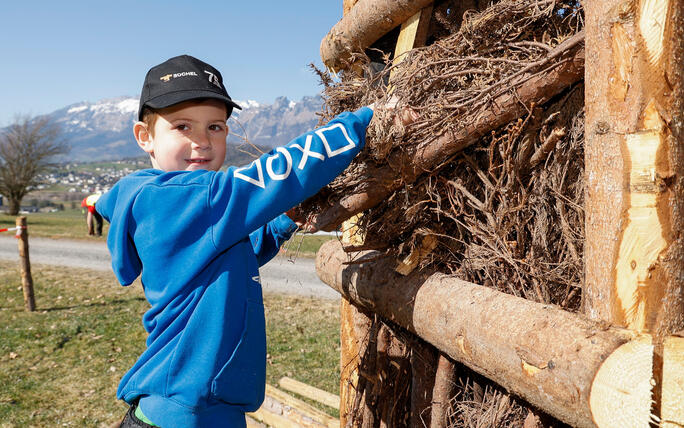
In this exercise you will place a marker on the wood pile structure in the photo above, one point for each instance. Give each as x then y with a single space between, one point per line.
512 252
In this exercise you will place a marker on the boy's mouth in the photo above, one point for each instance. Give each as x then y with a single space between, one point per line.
199 161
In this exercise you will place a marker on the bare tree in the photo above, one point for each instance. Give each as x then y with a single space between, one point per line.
26 148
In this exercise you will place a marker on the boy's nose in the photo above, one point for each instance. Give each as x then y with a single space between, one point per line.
201 142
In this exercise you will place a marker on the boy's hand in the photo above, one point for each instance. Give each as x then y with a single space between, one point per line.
403 115
300 220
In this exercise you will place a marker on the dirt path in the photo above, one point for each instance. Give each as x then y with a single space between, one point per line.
278 276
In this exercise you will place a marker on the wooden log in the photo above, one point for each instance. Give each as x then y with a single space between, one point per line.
404 167
634 252
424 359
310 392
354 330
634 161
541 353
25 264
347 6
364 24
443 391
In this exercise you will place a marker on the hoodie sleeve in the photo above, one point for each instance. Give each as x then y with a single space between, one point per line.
243 199
126 262
267 239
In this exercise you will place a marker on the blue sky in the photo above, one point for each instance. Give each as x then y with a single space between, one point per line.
57 53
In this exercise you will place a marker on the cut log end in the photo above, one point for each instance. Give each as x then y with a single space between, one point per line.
621 391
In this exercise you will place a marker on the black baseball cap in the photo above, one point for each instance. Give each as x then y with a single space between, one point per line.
182 78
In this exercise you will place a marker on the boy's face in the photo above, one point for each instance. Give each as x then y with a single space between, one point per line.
186 137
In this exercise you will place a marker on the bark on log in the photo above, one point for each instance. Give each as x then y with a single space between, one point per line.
635 164
362 26
404 168
547 356
424 359
444 390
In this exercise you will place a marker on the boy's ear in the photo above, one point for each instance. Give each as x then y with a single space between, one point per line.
143 136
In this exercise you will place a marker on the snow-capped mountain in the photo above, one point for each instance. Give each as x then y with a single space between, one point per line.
103 130
274 124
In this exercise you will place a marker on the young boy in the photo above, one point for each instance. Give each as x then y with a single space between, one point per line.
198 236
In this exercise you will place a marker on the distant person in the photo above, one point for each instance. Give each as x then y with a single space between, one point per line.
92 216
198 236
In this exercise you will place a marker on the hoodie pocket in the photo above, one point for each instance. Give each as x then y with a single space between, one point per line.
242 380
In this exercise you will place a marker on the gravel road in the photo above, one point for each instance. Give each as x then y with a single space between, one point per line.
278 276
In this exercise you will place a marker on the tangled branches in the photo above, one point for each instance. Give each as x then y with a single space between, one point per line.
507 211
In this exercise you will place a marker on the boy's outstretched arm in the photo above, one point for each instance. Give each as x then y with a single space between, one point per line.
267 240
241 200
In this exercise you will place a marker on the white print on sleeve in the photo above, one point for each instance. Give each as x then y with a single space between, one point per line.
306 152
269 165
331 152
246 173
260 174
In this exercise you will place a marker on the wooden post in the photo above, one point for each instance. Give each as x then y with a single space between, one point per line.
634 164
24 262
634 159
423 362
354 330
443 391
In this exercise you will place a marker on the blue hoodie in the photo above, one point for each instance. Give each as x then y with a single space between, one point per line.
198 239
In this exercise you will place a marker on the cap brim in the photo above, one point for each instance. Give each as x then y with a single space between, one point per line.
167 100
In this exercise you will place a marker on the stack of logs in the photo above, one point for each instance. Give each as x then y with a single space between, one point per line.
620 363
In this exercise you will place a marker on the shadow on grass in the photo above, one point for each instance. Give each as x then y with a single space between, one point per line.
89 305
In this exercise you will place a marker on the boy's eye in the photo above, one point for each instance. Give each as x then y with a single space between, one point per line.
182 127
216 127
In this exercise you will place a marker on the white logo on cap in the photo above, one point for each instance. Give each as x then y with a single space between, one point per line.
168 77
213 79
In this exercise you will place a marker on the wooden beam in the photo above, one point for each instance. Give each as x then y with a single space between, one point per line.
365 23
310 392
272 420
300 411
413 33
548 356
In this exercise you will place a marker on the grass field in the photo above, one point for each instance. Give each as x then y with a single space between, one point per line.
70 224
60 365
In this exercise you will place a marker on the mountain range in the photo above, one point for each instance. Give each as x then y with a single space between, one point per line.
103 130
